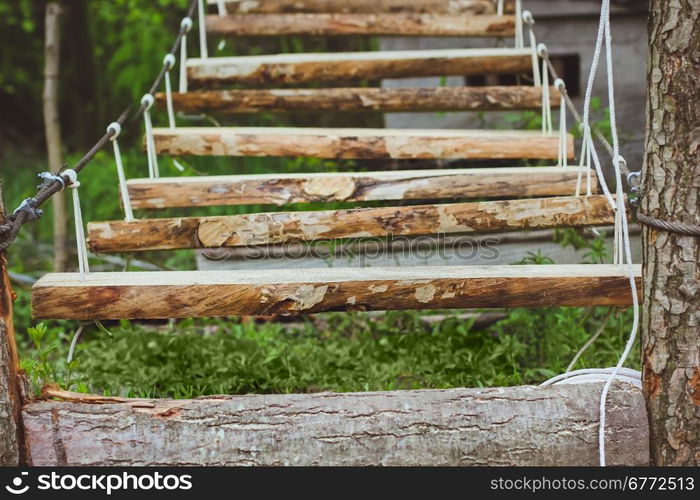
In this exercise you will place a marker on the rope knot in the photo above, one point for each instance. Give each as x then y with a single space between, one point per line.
619 162
147 101
186 24
116 129
560 85
528 18
72 177
542 51
169 61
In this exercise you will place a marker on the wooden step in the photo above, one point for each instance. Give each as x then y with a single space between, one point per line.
280 227
359 143
189 294
401 24
362 99
328 67
283 189
362 6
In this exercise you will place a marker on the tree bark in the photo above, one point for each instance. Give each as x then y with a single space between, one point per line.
284 189
365 143
671 310
269 228
195 294
10 395
54 146
342 66
361 24
516 426
491 98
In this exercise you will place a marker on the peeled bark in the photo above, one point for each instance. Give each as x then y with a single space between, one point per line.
284 189
10 398
359 143
362 6
491 98
490 427
671 311
279 227
343 66
361 24
193 294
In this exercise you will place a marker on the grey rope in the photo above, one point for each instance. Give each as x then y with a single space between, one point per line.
673 227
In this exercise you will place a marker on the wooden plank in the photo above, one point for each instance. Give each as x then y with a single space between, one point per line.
281 227
192 294
359 143
361 24
517 426
283 189
362 99
361 6
328 67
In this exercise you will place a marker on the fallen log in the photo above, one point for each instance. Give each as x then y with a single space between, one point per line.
518 426
491 98
194 294
341 66
361 24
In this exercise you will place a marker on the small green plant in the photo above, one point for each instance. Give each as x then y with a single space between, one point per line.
47 363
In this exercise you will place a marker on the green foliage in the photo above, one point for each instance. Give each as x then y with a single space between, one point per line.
337 352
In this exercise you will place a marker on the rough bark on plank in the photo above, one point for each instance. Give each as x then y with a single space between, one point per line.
361 24
190 294
516 426
10 395
671 310
283 189
269 228
359 143
362 6
342 66
491 98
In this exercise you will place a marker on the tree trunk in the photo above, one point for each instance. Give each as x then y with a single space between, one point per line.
52 124
503 426
671 310
10 399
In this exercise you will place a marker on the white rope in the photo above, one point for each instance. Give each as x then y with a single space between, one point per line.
203 53
584 162
222 7
604 36
153 173
546 104
83 263
519 39
126 201
563 153
590 375
169 62
187 25
530 21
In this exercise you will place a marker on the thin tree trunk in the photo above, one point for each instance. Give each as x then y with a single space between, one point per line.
52 125
671 310
10 399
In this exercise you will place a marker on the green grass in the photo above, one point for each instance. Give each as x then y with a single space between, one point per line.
335 352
